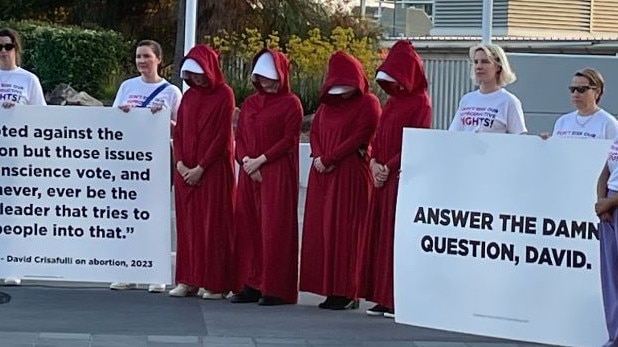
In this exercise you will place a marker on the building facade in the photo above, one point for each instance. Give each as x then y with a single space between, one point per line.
528 18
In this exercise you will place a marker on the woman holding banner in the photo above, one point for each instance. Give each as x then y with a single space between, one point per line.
339 185
491 108
152 91
402 77
588 121
149 89
17 86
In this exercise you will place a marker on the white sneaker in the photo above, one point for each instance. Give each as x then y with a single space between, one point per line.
182 290
122 286
208 295
156 288
389 315
11 281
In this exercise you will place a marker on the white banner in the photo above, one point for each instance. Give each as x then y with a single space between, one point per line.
496 235
85 194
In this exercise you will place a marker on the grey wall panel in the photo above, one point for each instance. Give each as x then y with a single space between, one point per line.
448 79
542 81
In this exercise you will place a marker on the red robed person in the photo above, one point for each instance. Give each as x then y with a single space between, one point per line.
402 77
339 183
204 179
267 135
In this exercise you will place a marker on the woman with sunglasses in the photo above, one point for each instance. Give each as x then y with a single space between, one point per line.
491 108
17 86
148 90
588 121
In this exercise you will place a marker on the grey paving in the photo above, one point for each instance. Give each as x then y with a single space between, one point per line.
97 317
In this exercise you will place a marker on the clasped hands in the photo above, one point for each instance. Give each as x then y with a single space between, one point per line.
320 167
190 176
379 173
252 167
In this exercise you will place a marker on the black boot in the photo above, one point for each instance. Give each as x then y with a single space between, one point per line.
326 304
247 295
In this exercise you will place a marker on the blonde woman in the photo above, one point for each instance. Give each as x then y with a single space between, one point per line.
490 108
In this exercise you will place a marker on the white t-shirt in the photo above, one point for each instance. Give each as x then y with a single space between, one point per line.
21 87
495 112
135 91
612 164
599 125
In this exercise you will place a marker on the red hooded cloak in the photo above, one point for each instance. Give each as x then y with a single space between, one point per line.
408 106
204 212
266 246
337 200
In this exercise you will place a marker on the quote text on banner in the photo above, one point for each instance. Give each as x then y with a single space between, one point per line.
85 194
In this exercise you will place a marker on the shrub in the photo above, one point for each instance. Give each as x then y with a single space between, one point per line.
94 61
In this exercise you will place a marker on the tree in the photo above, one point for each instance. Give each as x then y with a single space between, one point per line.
163 20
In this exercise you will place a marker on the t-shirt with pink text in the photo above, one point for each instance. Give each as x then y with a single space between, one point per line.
495 112
135 91
21 86
599 125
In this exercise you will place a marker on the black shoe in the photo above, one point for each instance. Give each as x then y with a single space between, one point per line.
247 295
378 310
326 304
343 303
270 301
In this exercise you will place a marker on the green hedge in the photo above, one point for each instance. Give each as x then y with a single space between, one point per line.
94 61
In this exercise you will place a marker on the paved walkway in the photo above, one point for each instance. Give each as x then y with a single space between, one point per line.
64 316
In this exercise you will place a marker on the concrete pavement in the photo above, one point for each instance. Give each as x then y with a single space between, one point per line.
64 316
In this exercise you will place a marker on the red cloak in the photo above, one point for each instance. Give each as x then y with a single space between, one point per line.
204 212
266 246
337 201
408 106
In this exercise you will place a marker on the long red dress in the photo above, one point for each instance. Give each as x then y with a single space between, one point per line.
204 212
408 107
337 201
266 246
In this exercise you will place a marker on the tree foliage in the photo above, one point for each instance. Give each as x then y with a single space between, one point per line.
163 20
90 60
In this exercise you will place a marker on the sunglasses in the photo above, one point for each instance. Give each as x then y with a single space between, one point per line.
581 89
7 46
